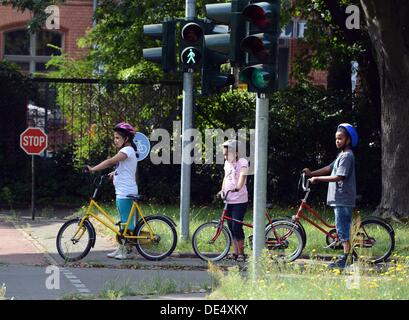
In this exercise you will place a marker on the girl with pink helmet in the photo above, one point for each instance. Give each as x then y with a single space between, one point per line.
123 176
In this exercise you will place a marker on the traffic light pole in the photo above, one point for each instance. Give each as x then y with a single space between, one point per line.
260 178
186 124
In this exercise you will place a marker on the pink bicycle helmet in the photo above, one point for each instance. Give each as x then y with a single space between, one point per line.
125 127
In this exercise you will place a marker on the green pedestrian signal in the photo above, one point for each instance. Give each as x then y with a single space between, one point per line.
191 57
191 43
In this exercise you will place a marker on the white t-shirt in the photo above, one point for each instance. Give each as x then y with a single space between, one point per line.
124 177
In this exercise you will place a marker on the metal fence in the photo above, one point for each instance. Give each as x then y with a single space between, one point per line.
81 112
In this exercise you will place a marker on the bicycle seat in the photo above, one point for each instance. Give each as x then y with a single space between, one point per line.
269 206
135 197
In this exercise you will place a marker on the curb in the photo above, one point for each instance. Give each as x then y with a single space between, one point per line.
184 255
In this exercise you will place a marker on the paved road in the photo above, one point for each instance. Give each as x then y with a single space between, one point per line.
15 248
30 282
27 249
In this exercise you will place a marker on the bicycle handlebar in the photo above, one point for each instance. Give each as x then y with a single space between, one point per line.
305 183
101 181
224 196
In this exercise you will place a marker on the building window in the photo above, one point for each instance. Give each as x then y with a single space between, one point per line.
31 51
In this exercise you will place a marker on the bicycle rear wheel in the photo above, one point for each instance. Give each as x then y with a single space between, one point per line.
374 241
207 246
74 241
284 240
164 239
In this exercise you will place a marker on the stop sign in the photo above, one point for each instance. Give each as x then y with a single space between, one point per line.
33 141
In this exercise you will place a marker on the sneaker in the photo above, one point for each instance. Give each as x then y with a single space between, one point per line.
340 263
241 258
232 256
125 253
114 253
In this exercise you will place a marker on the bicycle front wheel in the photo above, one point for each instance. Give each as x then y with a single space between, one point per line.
374 241
74 241
160 243
284 240
208 245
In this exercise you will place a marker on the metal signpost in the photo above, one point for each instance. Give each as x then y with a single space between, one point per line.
33 141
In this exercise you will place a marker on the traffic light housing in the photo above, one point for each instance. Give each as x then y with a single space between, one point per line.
238 31
261 46
216 50
165 55
191 44
230 14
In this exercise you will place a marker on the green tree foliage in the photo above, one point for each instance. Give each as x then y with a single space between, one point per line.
327 41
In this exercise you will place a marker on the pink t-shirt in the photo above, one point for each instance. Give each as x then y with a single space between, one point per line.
231 178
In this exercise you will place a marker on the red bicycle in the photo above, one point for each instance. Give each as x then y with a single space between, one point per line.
212 240
373 241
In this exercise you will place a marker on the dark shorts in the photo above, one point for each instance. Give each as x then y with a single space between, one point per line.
236 211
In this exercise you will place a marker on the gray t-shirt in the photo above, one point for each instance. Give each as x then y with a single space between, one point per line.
343 193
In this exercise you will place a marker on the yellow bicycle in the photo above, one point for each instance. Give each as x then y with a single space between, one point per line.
154 236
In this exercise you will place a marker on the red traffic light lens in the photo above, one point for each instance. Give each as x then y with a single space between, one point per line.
258 15
256 47
192 32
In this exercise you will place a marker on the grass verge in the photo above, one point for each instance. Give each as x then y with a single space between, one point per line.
278 281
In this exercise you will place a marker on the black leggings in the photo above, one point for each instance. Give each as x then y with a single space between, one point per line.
236 211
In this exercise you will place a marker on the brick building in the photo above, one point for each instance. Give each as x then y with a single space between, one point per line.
31 51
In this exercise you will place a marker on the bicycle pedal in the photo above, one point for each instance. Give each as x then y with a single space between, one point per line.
332 245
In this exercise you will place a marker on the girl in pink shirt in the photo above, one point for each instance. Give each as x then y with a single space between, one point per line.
235 178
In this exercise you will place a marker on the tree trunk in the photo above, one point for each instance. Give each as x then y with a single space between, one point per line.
388 26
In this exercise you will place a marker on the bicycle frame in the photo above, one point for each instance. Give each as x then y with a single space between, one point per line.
304 205
300 215
224 217
111 223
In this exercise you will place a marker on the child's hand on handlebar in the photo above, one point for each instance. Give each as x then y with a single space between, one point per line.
87 169
313 180
307 172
